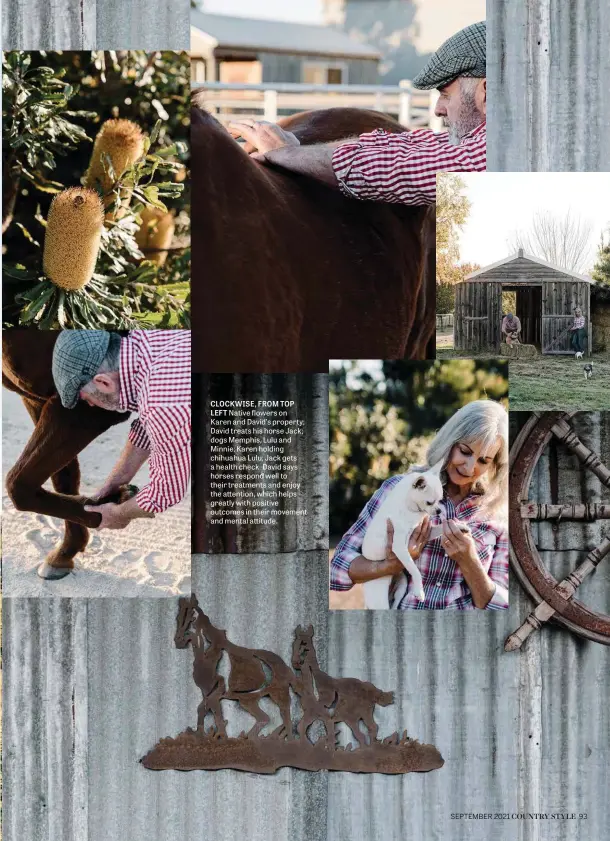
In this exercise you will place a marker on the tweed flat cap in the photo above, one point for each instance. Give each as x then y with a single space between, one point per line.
464 54
77 357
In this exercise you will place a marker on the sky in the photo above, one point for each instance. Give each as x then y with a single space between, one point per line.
436 19
503 202
298 11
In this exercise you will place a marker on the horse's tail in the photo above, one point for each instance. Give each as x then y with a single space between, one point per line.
384 699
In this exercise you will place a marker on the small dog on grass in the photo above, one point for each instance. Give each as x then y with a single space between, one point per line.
409 500
578 354
588 369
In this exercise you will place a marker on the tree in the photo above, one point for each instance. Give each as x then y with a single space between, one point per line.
601 270
452 209
445 291
562 240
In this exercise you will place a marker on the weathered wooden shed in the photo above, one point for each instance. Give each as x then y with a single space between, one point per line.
236 49
546 297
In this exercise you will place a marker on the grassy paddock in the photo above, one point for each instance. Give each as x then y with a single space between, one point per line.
546 382
558 383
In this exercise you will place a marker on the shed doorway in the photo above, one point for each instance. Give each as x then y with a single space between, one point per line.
526 303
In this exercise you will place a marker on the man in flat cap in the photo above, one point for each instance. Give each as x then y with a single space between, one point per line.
148 372
398 168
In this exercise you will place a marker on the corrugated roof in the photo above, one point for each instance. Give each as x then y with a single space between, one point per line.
279 36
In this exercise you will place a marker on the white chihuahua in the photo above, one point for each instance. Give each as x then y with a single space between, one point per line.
409 500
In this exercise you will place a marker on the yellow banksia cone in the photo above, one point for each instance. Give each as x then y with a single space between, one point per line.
72 238
155 233
123 142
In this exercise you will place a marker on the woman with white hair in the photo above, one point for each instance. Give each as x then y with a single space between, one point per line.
460 570
578 332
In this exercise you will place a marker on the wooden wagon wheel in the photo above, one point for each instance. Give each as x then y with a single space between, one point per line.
554 599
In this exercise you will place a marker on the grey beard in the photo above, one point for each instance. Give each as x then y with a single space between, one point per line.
468 119
108 402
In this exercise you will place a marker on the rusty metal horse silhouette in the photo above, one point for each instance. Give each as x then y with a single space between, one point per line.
323 702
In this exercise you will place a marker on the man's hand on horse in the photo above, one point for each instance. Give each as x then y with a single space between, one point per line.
112 515
262 137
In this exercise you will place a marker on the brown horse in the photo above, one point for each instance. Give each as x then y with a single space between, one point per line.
288 272
59 436
346 699
255 674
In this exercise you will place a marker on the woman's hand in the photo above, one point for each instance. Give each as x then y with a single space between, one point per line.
459 545
393 564
261 136
419 537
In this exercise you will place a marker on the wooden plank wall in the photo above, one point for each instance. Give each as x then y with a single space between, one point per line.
559 300
478 317
95 24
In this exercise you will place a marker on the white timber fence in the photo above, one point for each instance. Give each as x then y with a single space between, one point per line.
269 101
445 321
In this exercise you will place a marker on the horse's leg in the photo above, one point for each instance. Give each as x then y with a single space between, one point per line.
59 435
65 481
250 705
371 725
342 713
214 699
201 712
282 699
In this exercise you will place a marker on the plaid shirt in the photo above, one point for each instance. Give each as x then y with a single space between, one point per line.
155 382
443 581
401 168
579 321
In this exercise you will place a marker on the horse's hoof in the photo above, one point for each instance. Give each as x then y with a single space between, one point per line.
50 573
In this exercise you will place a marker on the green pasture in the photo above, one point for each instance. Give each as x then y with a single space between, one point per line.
547 382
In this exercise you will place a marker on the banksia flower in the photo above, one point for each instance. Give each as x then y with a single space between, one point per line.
72 238
156 232
120 140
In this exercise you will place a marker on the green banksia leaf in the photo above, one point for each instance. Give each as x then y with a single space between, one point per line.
72 239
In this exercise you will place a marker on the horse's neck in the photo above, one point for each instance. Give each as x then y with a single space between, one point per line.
311 663
220 164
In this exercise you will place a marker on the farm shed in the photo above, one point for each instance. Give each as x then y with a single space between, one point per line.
546 297
250 51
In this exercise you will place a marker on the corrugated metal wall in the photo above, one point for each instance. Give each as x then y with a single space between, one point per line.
548 66
309 392
93 684
95 24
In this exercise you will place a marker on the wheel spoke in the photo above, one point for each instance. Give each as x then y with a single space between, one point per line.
590 512
554 599
566 589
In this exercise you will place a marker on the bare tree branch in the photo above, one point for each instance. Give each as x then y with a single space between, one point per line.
562 240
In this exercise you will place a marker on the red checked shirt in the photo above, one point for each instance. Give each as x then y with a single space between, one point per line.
444 584
401 168
155 382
